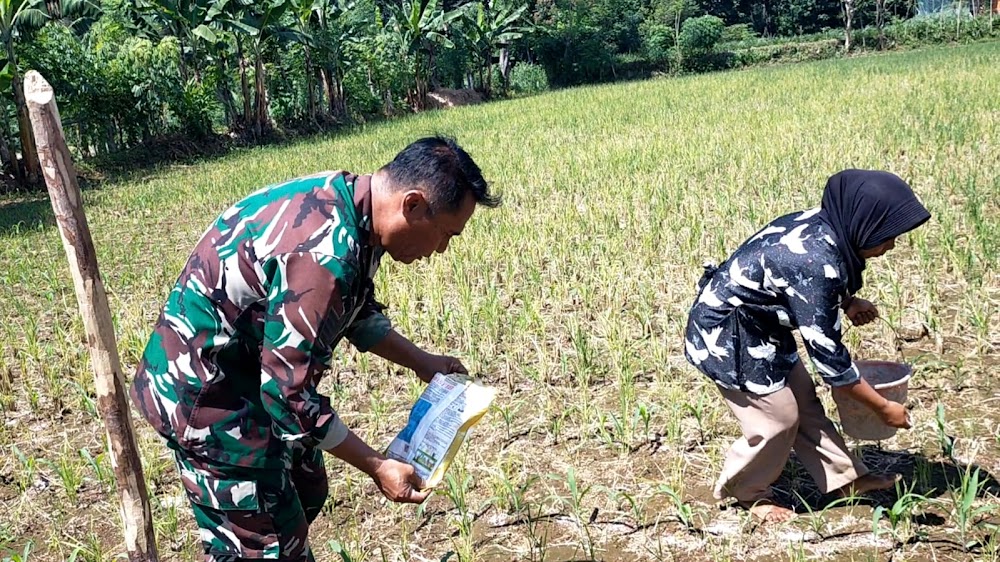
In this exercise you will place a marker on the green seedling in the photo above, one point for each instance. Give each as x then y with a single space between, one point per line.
947 442
900 514
23 556
644 414
964 511
27 468
578 492
817 518
683 510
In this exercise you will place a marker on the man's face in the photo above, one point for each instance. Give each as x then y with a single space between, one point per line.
417 232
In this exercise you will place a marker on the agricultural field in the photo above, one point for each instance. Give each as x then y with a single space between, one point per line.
571 299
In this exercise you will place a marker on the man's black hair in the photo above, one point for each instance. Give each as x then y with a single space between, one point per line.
443 170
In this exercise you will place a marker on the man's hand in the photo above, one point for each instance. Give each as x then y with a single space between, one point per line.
432 364
399 482
861 312
894 414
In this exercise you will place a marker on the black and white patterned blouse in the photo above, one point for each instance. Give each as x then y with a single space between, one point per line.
789 275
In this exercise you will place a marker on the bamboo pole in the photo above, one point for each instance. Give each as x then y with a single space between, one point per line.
112 402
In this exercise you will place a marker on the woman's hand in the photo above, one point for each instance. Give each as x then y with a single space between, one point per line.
861 311
894 414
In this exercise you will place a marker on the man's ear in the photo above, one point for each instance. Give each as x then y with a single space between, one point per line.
414 204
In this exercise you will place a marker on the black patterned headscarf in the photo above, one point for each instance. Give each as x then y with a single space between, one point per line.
866 208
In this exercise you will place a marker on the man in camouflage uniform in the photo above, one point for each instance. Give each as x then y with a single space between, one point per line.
229 376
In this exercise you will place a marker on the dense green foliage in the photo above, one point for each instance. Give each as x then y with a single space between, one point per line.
171 76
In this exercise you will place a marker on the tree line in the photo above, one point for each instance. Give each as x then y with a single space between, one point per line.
187 73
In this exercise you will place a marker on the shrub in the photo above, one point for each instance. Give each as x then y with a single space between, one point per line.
697 43
738 32
700 35
527 79
658 43
789 52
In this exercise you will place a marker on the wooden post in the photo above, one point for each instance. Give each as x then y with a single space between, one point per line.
112 402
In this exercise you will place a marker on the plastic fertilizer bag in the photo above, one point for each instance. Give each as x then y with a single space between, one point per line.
439 422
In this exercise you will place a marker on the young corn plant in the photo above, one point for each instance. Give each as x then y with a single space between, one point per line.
964 511
7 536
54 384
659 551
26 471
510 494
613 432
557 422
537 534
923 477
991 544
69 472
91 551
379 410
8 401
457 486
23 556
166 522
508 412
578 492
643 418
697 410
682 510
634 502
900 514
946 441
349 551
102 471
86 403
817 520
797 551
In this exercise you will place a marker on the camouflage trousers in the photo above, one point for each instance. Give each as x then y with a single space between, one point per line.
255 514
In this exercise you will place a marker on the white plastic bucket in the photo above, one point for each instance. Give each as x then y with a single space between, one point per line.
888 378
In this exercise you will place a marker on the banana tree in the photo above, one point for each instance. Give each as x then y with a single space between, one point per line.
17 17
264 27
303 22
422 27
224 30
187 20
7 156
256 26
77 15
219 51
489 28
336 30
206 27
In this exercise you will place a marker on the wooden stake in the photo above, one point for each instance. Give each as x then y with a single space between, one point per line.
112 401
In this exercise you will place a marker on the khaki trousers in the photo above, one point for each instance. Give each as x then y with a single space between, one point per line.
773 425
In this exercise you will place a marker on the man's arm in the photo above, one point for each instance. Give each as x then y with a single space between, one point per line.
397 481
370 326
372 331
306 299
401 351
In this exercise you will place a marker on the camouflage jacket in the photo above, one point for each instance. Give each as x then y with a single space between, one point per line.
231 370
